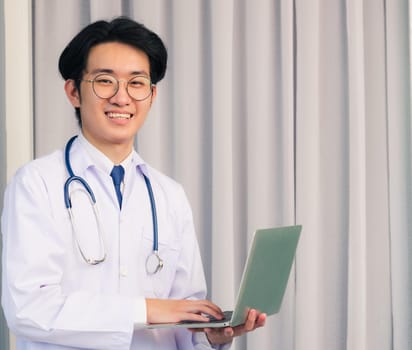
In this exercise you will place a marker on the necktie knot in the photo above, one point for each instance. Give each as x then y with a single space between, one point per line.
117 175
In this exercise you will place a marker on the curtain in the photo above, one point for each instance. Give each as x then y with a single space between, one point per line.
275 112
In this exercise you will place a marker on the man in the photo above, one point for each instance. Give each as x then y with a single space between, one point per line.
78 278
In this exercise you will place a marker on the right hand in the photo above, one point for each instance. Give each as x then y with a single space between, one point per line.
169 311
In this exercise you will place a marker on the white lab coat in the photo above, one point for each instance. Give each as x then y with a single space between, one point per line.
53 300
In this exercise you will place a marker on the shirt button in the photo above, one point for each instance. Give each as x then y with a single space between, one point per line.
123 271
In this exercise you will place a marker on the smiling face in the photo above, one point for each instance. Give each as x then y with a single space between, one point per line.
110 124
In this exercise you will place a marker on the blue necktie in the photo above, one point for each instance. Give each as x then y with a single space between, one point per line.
117 175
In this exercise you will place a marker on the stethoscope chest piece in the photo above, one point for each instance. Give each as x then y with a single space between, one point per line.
153 263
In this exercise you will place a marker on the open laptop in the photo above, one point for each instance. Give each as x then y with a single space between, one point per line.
264 278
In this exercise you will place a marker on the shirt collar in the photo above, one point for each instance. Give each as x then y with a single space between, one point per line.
99 160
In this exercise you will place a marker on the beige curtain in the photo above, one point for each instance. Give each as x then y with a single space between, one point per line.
275 112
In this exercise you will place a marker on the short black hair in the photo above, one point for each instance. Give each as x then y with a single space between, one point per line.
73 59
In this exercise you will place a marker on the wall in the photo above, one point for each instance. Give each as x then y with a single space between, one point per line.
16 129
4 339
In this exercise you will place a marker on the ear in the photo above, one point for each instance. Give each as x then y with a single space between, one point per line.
72 93
154 93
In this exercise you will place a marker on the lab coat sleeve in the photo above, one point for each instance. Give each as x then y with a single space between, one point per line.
33 254
203 344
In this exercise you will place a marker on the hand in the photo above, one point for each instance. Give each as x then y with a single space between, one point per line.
167 310
225 335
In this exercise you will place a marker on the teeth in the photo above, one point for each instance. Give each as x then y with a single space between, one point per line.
119 115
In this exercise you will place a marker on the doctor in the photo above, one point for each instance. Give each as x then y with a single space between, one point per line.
91 254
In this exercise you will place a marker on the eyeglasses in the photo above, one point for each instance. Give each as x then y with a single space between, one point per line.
106 86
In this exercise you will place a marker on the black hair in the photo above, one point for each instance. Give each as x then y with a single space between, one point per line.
73 59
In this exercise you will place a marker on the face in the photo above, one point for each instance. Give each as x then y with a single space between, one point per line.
110 124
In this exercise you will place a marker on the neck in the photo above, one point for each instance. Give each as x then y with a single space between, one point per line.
115 151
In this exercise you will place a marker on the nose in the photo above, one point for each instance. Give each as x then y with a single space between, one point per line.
121 97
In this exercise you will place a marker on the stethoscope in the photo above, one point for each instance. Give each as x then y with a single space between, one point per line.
153 262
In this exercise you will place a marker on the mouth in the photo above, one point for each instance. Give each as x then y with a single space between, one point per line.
113 115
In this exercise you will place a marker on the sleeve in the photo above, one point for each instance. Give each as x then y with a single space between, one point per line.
33 265
201 343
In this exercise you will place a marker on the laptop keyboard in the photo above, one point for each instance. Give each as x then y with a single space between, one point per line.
227 315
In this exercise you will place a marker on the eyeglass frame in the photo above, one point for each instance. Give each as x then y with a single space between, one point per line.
118 85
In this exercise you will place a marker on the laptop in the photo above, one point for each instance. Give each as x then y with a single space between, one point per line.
264 278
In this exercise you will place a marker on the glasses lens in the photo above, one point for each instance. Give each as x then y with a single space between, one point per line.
105 86
139 87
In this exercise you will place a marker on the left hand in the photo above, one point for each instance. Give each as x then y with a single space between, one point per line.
225 335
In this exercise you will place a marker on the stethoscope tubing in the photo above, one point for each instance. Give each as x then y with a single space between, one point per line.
154 213
74 178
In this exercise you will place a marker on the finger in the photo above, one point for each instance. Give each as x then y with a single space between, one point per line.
189 316
207 307
261 320
219 335
228 332
197 330
200 308
214 310
250 321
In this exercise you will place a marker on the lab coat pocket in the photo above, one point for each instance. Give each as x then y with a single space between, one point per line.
160 283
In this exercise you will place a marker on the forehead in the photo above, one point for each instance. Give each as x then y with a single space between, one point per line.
117 57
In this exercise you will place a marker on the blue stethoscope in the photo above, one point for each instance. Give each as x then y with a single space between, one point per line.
153 262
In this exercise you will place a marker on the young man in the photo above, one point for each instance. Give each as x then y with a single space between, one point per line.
78 278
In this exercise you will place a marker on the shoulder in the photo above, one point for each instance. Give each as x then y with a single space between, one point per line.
162 178
165 182
43 168
37 182
171 191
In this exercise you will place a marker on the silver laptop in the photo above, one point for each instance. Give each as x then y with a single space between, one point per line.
264 278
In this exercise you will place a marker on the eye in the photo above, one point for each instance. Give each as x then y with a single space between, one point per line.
135 83
104 80
139 82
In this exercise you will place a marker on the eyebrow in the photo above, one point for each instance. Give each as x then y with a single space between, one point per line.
111 71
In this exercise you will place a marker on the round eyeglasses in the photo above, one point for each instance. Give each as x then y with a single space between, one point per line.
105 85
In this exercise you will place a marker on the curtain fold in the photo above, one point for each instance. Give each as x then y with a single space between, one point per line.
309 291
271 114
398 43
356 289
378 324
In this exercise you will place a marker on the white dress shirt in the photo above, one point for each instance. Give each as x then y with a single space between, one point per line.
52 298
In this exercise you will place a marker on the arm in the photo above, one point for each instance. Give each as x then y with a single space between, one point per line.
35 246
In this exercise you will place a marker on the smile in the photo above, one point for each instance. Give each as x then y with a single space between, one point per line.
113 115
